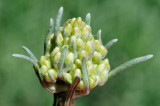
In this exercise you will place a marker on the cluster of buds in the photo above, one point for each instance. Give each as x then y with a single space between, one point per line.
71 52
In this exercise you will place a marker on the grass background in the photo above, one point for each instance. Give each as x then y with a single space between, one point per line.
136 23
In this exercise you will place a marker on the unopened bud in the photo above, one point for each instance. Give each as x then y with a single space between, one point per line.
103 51
59 39
96 57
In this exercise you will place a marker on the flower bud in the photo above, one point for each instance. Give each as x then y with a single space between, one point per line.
103 51
76 31
69 58
67 77
47 78
77 73
55 50
45 60
97 44
103 77
96 57
56 59
106 62
66 41
85 34
44 70
91 38
78 22
83 53
89 48
78 63
81 84
52 74
67 30
79 44
59 39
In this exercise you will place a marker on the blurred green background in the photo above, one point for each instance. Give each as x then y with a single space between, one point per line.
136 23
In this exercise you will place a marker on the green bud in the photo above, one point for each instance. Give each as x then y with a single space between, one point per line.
67 30
103 77
69 58
45 60
85 34
78 22
106 62
89 48
56 59
72 21
77 73
79 44
91 38
59 39
88 28
78 63
83 53
66 41
55 50
72 69
67 77
81 84
101 67
44 70
76 31
97 44
52 74
96 57
103 51
47 78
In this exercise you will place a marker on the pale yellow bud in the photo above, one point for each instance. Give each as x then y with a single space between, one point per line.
83 53
44 69
91 38
85 34
81 84
45 60
76 31
89 47
79 44
97 44
72 21
56 59
88 28
67 77
66 41
59 39
47 78
69 58
96 57
77 73
55 50
52 74
103 51
67 30
106 62
78 63
78 22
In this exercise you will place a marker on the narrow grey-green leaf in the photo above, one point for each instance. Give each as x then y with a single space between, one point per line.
58 19
30 53
62 59
129 64
99 36
88 19
26 58
110 43
85 74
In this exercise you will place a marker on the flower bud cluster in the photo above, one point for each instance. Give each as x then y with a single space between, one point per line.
70 44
